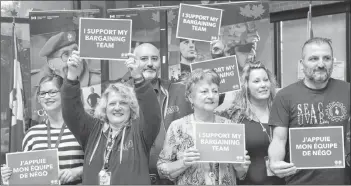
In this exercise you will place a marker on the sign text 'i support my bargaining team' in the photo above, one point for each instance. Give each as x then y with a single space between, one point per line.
105 39
198 22
220 142
227 69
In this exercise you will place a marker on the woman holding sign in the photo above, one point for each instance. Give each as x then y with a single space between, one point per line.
251 107
118 139
177 160
53 134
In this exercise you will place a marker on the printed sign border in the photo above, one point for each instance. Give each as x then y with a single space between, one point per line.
130 33
198 6
330 127
195 137
237 70
34 151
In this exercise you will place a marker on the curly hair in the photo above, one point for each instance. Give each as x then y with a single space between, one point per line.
197 75
127 93
242 99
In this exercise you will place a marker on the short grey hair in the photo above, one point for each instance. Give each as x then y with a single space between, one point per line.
317 40
197 75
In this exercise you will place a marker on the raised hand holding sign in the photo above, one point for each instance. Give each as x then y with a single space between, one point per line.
75 66
134 66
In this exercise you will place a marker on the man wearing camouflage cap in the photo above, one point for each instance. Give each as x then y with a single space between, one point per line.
56 51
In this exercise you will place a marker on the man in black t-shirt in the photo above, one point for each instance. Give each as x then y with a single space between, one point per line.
316 101
93 98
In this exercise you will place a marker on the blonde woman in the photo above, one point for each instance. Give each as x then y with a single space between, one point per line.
251 107
117 141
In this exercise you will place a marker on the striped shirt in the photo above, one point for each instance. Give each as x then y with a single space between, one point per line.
70 152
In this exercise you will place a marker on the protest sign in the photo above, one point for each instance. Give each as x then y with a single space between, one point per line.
227 69
34 167
317 147
220 142
198 22
107 39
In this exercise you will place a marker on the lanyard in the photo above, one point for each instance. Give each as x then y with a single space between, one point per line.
263 128
109 145
59 137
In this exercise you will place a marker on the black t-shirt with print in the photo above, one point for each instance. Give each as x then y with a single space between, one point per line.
299 106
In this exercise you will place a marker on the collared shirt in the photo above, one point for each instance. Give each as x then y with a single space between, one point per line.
158 143
159 93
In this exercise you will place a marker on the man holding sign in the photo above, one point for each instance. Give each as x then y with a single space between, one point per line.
316 101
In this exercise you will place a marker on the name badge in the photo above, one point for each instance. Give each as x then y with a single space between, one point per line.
104 177
269 172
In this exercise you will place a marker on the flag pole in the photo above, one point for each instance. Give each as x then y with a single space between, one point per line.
310 31
12 73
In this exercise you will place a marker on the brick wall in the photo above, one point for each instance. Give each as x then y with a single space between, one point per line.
277 6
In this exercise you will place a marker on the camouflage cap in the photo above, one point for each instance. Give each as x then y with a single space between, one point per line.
57 42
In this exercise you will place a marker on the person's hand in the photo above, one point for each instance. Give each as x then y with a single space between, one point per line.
68 175
247 162
190 157
6 173
282 168
74 65
214 41
133 65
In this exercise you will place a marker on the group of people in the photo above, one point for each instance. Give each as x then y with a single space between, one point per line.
141 131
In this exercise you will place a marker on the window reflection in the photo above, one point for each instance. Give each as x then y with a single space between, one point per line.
295 34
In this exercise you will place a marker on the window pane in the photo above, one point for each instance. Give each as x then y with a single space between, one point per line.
295 34
25 6
22 33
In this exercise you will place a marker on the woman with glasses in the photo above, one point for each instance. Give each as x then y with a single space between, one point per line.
177 160
53 133
56 52
118 139
251 107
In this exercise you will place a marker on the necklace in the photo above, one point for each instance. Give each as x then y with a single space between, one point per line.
264 129
258 120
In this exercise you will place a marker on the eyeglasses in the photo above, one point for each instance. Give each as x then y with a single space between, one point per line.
65 55
51 93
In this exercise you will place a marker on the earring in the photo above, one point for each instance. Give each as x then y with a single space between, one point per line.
41 112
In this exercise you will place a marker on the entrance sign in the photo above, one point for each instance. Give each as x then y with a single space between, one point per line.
198 23
34 167
220 142
105 39
227 69
317 147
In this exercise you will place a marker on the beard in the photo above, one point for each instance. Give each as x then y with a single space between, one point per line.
150 75
313 75
190 58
